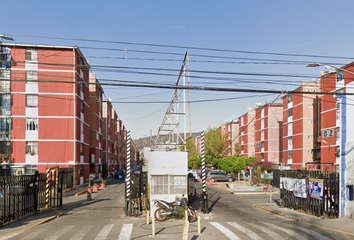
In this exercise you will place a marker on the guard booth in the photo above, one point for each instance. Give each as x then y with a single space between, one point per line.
167 175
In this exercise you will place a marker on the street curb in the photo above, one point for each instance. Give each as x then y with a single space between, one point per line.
271 211
300 221
79 193
70 189
37 224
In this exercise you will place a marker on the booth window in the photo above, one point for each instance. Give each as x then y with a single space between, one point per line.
168 184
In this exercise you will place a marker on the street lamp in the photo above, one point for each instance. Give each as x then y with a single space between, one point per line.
328 66
329 149
3 36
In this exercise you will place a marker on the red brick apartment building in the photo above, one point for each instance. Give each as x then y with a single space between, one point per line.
337 130
51 114
300 126
268 132
95 125
230 130
46 108
247 134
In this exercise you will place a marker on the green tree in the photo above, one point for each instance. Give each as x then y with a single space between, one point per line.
213 145
236 149
233 164
194 160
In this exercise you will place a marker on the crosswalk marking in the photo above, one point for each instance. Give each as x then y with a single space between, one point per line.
248 232
59 233
272 234
126 232
80 234
225 230
289 232
102 235
310 232
34 234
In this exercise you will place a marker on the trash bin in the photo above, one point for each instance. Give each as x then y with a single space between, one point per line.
265 187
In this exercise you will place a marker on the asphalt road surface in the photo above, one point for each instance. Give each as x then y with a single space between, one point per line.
231 217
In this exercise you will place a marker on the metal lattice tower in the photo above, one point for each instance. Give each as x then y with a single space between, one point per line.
168 137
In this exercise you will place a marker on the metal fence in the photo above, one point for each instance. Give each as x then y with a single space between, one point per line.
24 195
313 192
138 202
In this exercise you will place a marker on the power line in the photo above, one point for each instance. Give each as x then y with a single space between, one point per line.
185 47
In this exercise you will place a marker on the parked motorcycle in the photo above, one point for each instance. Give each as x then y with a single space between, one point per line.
173 209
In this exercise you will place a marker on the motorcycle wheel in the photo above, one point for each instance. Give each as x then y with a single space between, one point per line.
192 217
158 215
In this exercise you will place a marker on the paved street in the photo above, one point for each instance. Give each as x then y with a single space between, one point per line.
231 216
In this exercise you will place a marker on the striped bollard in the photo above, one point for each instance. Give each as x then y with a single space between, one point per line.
127 175
47 189
204 195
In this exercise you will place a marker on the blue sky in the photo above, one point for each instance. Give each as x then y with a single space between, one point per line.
319 28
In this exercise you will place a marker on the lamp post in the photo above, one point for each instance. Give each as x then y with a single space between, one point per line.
3 36
329 149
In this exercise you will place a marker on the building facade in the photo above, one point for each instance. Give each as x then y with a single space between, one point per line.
300 126
247 134
268 132
231 131
47 92
337 131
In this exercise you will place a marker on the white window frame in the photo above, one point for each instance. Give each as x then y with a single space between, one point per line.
168 184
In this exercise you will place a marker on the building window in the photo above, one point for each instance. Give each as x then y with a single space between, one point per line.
82 147
262 156
290 141
32 124
32 148
338 108
82 127
31 169
262 144
340 75
258 144
262 134
82 106
31 100
350 192
31 75
82 86
170 184
31 54
290 98
290 112
290 154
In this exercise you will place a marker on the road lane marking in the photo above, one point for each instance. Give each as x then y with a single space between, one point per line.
126 232
288 231
59 233
81 233
248 232
271 234
102 235
225 231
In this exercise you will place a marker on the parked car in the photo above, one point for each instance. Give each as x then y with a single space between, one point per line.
220 176
207 171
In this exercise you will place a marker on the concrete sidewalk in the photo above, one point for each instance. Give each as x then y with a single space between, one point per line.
341 225
71 199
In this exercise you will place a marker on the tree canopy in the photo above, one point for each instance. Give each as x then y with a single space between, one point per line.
213 145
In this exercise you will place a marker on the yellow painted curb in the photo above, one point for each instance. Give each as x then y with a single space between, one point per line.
37 224
79 193
271 211
67 190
